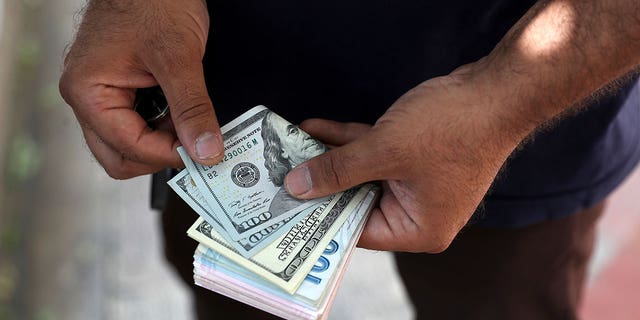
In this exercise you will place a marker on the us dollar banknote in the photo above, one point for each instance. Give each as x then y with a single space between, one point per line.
286 261
320 281
245 191
185 187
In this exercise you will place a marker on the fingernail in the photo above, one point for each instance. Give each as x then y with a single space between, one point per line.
208 146
298 181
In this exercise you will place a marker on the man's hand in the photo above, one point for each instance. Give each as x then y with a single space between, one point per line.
439 147
436 150
122 45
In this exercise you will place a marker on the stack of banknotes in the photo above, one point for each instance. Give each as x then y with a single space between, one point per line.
258 244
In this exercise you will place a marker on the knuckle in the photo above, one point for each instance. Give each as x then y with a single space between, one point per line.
78 91
396 151
171 49
120 169
130 152
127 143
336 172
63 86
68 87
192 107
162 39
123 143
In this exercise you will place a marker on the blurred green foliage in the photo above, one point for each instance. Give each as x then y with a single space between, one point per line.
9 236
29 52
49 96
8 276
22 157
23 160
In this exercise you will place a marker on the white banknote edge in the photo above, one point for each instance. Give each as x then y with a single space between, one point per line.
346 239
277 307
238 120
222 276
294 282
365 209
202 209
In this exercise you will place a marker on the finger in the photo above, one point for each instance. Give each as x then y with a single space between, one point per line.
338 169
115 122
385 232
377 233
115 164
333 132
182 80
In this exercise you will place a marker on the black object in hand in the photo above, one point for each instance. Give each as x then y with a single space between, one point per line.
151 105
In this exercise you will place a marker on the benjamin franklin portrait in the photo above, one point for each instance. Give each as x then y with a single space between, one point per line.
286 146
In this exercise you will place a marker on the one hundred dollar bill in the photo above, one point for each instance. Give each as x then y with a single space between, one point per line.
184 186
245 191
286 261
321 281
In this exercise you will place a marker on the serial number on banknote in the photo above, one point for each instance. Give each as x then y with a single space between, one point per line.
228 156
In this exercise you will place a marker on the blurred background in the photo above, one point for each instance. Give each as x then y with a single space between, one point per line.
74 244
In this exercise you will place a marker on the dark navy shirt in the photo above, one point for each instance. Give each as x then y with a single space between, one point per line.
350 60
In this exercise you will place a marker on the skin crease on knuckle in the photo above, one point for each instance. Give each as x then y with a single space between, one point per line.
335 172
119 168
398 158
190 109
73 90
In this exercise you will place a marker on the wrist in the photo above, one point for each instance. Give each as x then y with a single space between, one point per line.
495 107
554 58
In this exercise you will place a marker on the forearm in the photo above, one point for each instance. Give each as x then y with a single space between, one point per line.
557 55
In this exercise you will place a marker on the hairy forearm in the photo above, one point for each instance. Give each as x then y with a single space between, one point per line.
557 55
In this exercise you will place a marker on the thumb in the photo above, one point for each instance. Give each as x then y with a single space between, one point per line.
336 170
191 109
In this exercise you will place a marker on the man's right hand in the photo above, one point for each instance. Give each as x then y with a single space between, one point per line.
122 45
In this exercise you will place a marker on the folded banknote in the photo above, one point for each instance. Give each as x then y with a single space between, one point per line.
258 244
